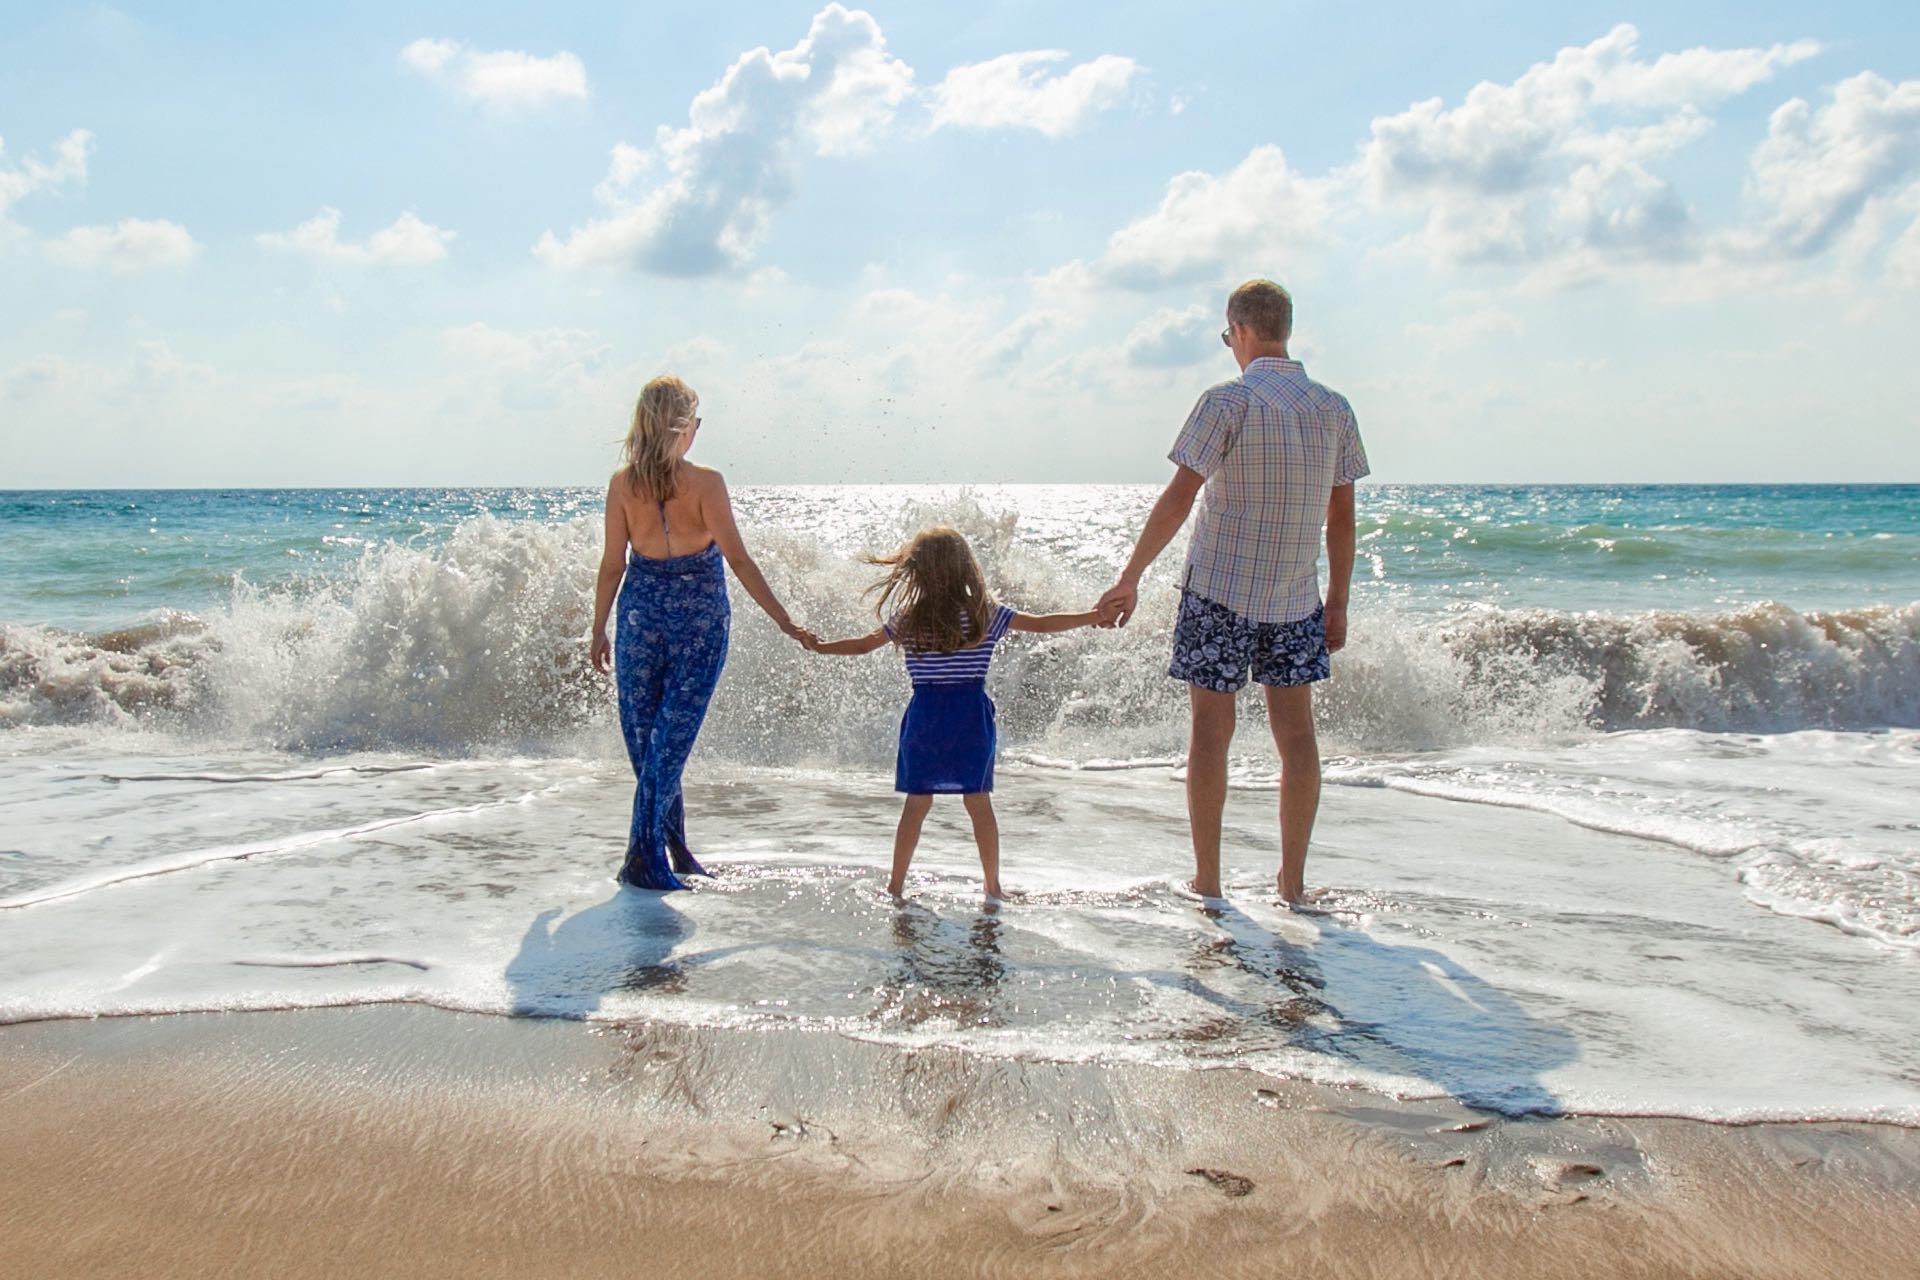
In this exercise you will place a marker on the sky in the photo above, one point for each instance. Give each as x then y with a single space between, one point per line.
398 244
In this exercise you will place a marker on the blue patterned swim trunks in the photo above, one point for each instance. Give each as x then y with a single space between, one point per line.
1213 647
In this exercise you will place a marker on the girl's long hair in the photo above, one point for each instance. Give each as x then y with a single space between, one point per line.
664 414
934 596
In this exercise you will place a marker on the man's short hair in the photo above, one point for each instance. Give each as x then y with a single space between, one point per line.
1264 307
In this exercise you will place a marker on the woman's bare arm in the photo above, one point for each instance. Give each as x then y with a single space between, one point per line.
613 567
716 509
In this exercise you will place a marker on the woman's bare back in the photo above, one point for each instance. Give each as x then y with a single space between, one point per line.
684 530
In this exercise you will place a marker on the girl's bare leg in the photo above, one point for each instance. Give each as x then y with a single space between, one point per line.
986 834
913 814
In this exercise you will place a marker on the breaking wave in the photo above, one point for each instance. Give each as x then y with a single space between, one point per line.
479 643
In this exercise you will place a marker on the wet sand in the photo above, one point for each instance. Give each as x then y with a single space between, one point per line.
404 1141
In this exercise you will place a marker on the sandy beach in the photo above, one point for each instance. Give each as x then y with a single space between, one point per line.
925 640
393 1140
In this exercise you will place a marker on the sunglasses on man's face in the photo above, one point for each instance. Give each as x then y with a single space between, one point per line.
1226 336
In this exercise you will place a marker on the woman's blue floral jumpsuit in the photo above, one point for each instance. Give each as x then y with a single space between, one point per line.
670 641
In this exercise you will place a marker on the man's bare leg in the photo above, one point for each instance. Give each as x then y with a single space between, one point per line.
1207 783
1290 712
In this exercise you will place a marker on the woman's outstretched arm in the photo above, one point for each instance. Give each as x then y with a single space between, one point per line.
613 566
716 506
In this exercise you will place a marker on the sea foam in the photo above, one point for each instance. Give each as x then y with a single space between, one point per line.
480 641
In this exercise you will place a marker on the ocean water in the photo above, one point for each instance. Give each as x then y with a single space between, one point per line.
1621 814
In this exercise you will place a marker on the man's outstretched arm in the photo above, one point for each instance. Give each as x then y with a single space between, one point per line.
1339 564
1169 513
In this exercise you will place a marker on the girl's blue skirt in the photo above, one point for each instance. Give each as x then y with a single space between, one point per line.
947 741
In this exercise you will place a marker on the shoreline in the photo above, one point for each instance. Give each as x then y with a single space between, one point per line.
403 1139
593 1026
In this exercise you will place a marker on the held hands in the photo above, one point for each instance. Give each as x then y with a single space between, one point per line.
1118 604
805 638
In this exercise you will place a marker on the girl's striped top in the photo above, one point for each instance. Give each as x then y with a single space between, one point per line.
962 666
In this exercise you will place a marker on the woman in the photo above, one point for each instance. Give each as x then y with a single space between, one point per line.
672 631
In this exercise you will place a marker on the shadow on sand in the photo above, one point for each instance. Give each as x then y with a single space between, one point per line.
621 944
944 969
1412 1012
1407 1012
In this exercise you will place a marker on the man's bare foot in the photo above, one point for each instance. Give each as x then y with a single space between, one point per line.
998 894
896 890
1199 890
1302 900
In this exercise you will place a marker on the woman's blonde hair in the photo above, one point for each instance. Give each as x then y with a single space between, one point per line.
934 593
663 414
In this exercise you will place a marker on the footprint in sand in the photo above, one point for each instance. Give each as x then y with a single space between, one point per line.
1229 1184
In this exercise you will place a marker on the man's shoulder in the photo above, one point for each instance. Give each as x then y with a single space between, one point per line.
1232 393
1296 386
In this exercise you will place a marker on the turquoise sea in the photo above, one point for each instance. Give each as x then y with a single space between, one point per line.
1620 815
85 560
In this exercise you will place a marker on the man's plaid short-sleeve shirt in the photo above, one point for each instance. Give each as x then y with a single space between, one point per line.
1273 445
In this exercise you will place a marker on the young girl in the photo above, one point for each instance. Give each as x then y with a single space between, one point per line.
935 605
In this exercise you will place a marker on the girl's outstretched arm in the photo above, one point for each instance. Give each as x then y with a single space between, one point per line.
1055 621
875 639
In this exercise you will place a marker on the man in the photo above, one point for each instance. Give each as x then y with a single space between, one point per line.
1275 452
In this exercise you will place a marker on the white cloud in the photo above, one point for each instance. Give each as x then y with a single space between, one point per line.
947 337
506 77
1014 91
135 244
623 173
155 364
407 241
429 56
1817 170
1693 77
152 366
731 166
1173 338
1014 342
1903 259
36 375
555 352
69 165
1471 317
1240 223
1527 171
